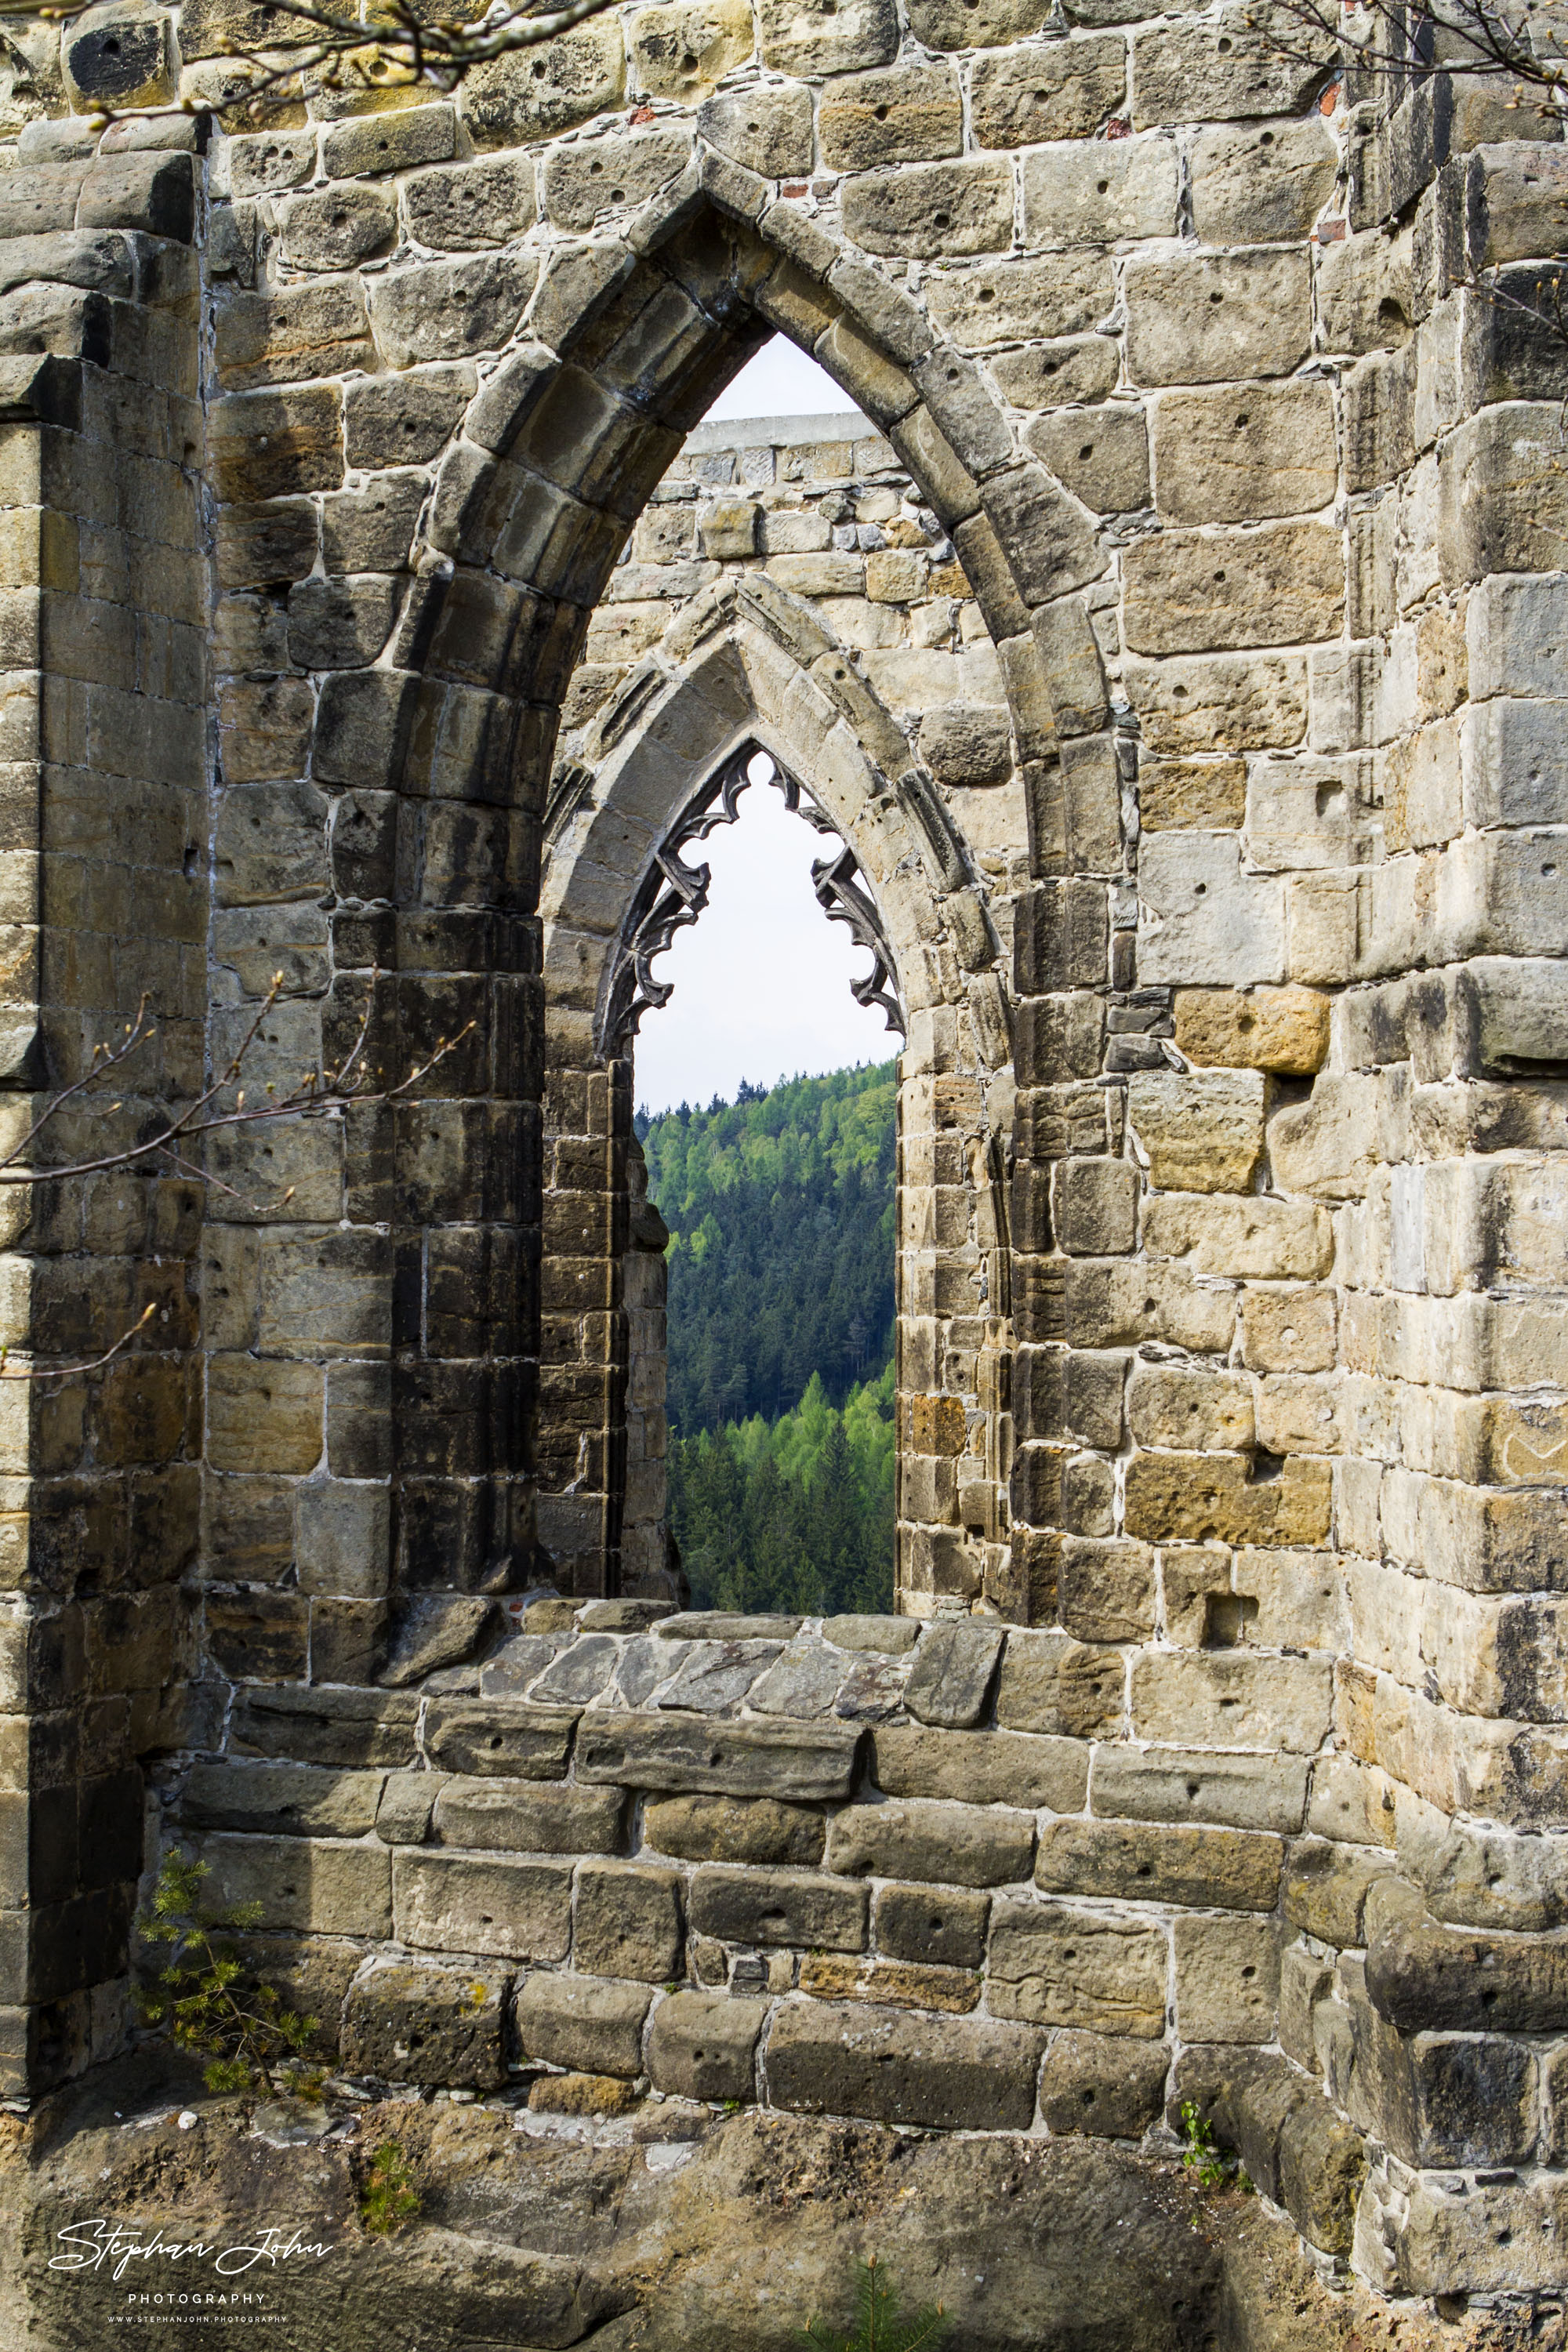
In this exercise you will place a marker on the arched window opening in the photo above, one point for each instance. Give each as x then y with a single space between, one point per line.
770 1317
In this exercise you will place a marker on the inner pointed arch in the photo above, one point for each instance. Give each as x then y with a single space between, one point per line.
673 893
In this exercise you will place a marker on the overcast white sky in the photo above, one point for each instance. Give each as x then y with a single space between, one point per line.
782 381
762 980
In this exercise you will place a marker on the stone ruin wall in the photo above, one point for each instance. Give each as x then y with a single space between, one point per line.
319 451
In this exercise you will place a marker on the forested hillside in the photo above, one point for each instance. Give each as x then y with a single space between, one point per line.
779 1207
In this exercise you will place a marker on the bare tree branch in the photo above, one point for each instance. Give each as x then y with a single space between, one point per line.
392 46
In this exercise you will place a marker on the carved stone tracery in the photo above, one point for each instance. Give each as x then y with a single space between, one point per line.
673 894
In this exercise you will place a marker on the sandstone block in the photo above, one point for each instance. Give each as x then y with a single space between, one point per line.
779 1907
448 310
1228 1979
839 1976
1192 592
1102 2086
931 1924
1052 1684
524 1817
1264 183
297 333
447 1903
354 1727
1243 453
947 2074
470 206
491 1737
1326 1887
719 1758
1220 702
628 1922
1056 1966
602 175
267 444
338 227
931 210
735 1828
768 130
1062 91
1097 1211
446 2027
579 2023
366 144
1172 1784
910 114
1175 1405
1002 302
1203 918
952 1676
318 1884
817 38
1200 1132
1210 1499
1258 1702
1281 1029
1229 1870
1103 459
1082 194
1424 1978
1250 1235
983 1768
964 1845
537 92
704 2046
1106 1590
289 1800
1211 319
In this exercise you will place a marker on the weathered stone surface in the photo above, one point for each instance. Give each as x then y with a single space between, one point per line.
581 183
445 310
1201 1134
537 92
578 2022
1090 193
703 2047
495 1736
1262 1702
1171 1784
779 1906
1052 1684
894 1634
909 114
343 1727
1243 453
962 1845
1263 183
1231 1870
849 2058
953 1673
518 1910
1425 1978
842 1976
815 36
411 2023
1191 593
1102 2084
980 1768
731 1829
628 1922
1228 1979
527 1817
1060 1967
1209 320
1065 91
287 1799
931 210
937 1925
325 1885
